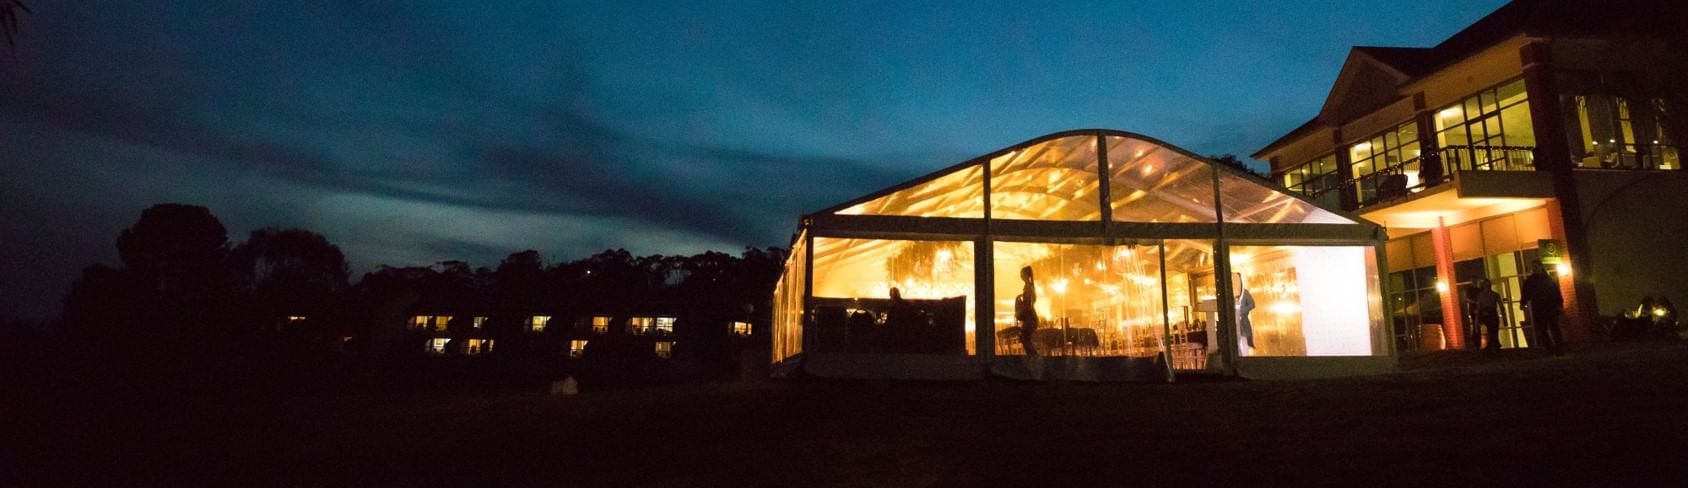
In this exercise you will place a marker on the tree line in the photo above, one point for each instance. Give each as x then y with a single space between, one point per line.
185 303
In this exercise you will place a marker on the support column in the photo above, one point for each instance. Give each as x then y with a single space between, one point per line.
1348 190
1226 329
1576 319
1453 330
1564 211
984 299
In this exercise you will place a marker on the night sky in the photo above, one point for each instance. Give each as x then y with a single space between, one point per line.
411 132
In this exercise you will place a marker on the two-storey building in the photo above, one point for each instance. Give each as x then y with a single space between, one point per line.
1547 125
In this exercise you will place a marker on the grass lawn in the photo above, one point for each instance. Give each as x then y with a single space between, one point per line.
1615 416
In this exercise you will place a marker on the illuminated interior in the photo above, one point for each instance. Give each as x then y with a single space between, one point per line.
435 323
537 323
866 270
1145 291
1094 300
1308 300
789 293
640 325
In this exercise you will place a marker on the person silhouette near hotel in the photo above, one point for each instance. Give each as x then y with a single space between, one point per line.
1542 297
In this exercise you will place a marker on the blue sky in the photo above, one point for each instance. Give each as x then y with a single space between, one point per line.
410 132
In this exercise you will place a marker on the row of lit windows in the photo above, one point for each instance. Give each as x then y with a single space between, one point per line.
1313 177
1492 118
470 347
438 323
1389 149
477 346
1498 116
662 349
644 325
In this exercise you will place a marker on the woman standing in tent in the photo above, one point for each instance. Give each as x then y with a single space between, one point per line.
1025 311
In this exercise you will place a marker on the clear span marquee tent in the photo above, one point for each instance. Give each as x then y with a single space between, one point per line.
1145 261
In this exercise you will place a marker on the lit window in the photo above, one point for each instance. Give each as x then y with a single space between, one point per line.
665 349
640 325
538 322
429 322
664 326
577 348
741 329
437 345
1490 130
601 324
478 346
295 318
479 322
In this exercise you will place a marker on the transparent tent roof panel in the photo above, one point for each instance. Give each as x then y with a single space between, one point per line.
1050 180
1057 179
959 194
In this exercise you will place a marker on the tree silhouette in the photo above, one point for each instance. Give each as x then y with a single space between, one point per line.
1233 161
283 273
165 313
177 249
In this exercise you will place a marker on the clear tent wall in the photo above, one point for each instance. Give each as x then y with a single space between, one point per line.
1093 255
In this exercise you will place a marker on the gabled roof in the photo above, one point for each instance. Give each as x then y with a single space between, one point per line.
1379 69
1412 62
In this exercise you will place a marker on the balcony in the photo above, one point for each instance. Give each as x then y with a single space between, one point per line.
1434 168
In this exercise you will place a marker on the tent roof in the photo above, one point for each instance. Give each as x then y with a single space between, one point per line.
1060 177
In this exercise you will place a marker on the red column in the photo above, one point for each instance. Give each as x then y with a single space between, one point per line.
1451 323
1578 314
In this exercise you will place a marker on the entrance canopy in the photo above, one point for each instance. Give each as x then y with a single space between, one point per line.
1140 255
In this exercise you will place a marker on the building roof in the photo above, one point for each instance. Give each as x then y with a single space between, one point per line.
1410 61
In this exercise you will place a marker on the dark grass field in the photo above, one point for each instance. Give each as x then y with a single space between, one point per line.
1614 416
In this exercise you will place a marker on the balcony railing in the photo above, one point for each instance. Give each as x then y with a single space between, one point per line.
1431 169
1488 158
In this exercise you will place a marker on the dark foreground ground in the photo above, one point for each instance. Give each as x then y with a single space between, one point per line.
1616 416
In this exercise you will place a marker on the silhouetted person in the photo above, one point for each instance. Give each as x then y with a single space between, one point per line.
899 311
1484 304
900 318
1245 324
1430 170
1542 298
1025 311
